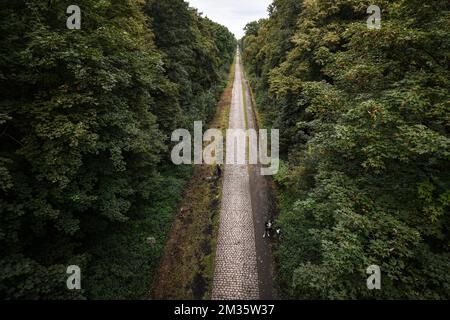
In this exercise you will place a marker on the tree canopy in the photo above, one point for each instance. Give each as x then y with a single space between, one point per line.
364 122
85 117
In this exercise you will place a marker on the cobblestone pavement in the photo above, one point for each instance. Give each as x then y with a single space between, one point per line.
236 275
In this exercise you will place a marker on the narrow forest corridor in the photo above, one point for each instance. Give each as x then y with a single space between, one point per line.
198 150
240 262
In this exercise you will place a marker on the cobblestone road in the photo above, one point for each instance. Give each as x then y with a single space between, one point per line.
236 275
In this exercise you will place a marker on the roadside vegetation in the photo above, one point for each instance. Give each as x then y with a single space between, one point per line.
364 124
85 123
187 268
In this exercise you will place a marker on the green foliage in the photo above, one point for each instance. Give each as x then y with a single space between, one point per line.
85 117
197 54
364 119
124 264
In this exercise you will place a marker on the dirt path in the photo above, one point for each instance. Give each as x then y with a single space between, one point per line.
243 261
263 207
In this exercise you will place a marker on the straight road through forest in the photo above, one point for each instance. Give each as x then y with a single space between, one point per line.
236 270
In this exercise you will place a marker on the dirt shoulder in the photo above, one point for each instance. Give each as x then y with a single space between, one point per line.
263 207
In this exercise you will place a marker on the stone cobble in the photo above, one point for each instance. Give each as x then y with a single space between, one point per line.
236 275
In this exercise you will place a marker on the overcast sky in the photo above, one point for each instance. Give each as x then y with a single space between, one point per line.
234 14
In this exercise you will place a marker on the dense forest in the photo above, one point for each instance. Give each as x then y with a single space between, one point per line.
364 119
86 117
85 123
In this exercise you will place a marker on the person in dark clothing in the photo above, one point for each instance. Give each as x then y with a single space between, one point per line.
278 232
218 171
268 229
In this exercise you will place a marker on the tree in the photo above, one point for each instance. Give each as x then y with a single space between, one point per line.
84 120
366 176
